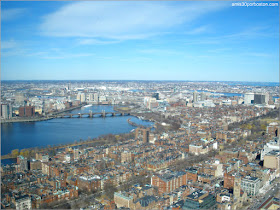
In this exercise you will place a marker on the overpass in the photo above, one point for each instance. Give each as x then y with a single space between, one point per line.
91 115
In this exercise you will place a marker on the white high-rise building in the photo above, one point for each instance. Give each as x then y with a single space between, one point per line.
248 98
96 97
6 111
266 98
202 96
81 97
272 145
90 97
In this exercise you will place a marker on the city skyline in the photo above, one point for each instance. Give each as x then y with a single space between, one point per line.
183 41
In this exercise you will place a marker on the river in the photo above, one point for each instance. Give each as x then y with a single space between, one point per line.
63 131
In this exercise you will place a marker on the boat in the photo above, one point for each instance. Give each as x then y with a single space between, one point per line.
87 105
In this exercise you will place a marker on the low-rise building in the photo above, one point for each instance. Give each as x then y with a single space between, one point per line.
272 160
23 202
122 199
251 185
200 200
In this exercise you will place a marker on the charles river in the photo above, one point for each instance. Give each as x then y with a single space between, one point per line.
64 130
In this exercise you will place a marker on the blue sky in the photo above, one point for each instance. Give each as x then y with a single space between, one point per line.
158 40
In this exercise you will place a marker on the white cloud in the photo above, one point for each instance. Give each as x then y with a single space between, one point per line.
198 30
8 44
257 54
10 14
123 20
12 48
77 55
249 33
219 50
160 51
96 41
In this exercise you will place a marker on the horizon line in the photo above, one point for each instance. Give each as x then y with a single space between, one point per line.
135 80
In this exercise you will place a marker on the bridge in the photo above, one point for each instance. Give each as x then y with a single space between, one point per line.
91 115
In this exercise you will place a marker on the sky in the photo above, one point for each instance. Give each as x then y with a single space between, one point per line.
141 40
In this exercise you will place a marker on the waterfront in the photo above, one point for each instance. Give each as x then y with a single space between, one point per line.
63 131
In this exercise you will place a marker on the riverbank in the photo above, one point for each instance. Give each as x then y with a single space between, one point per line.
35 119
62 131
103 139
26 120
136 125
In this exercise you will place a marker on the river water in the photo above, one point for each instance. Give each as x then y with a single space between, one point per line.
64 130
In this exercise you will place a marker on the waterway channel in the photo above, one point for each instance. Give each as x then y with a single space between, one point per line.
64 130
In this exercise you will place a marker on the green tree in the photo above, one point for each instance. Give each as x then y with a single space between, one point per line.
263 127
15 153
110 189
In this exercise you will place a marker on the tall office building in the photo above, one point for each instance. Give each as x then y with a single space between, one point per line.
259 99
267 97
248 98
90 97
22 162
96 97
146 135
43 107
202 96
76 154
156 96
137 133
6 111
195 96
81 97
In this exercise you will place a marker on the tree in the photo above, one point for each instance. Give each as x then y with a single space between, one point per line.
24 153
263 127
15 153
110 189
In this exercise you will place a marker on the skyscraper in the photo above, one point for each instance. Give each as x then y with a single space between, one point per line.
81 97
202 96
146 135
96 97
195 96
90 97
267 97
156 96
6 111
259 99
248 98
137 133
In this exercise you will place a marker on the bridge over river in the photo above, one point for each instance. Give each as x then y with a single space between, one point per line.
91 114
